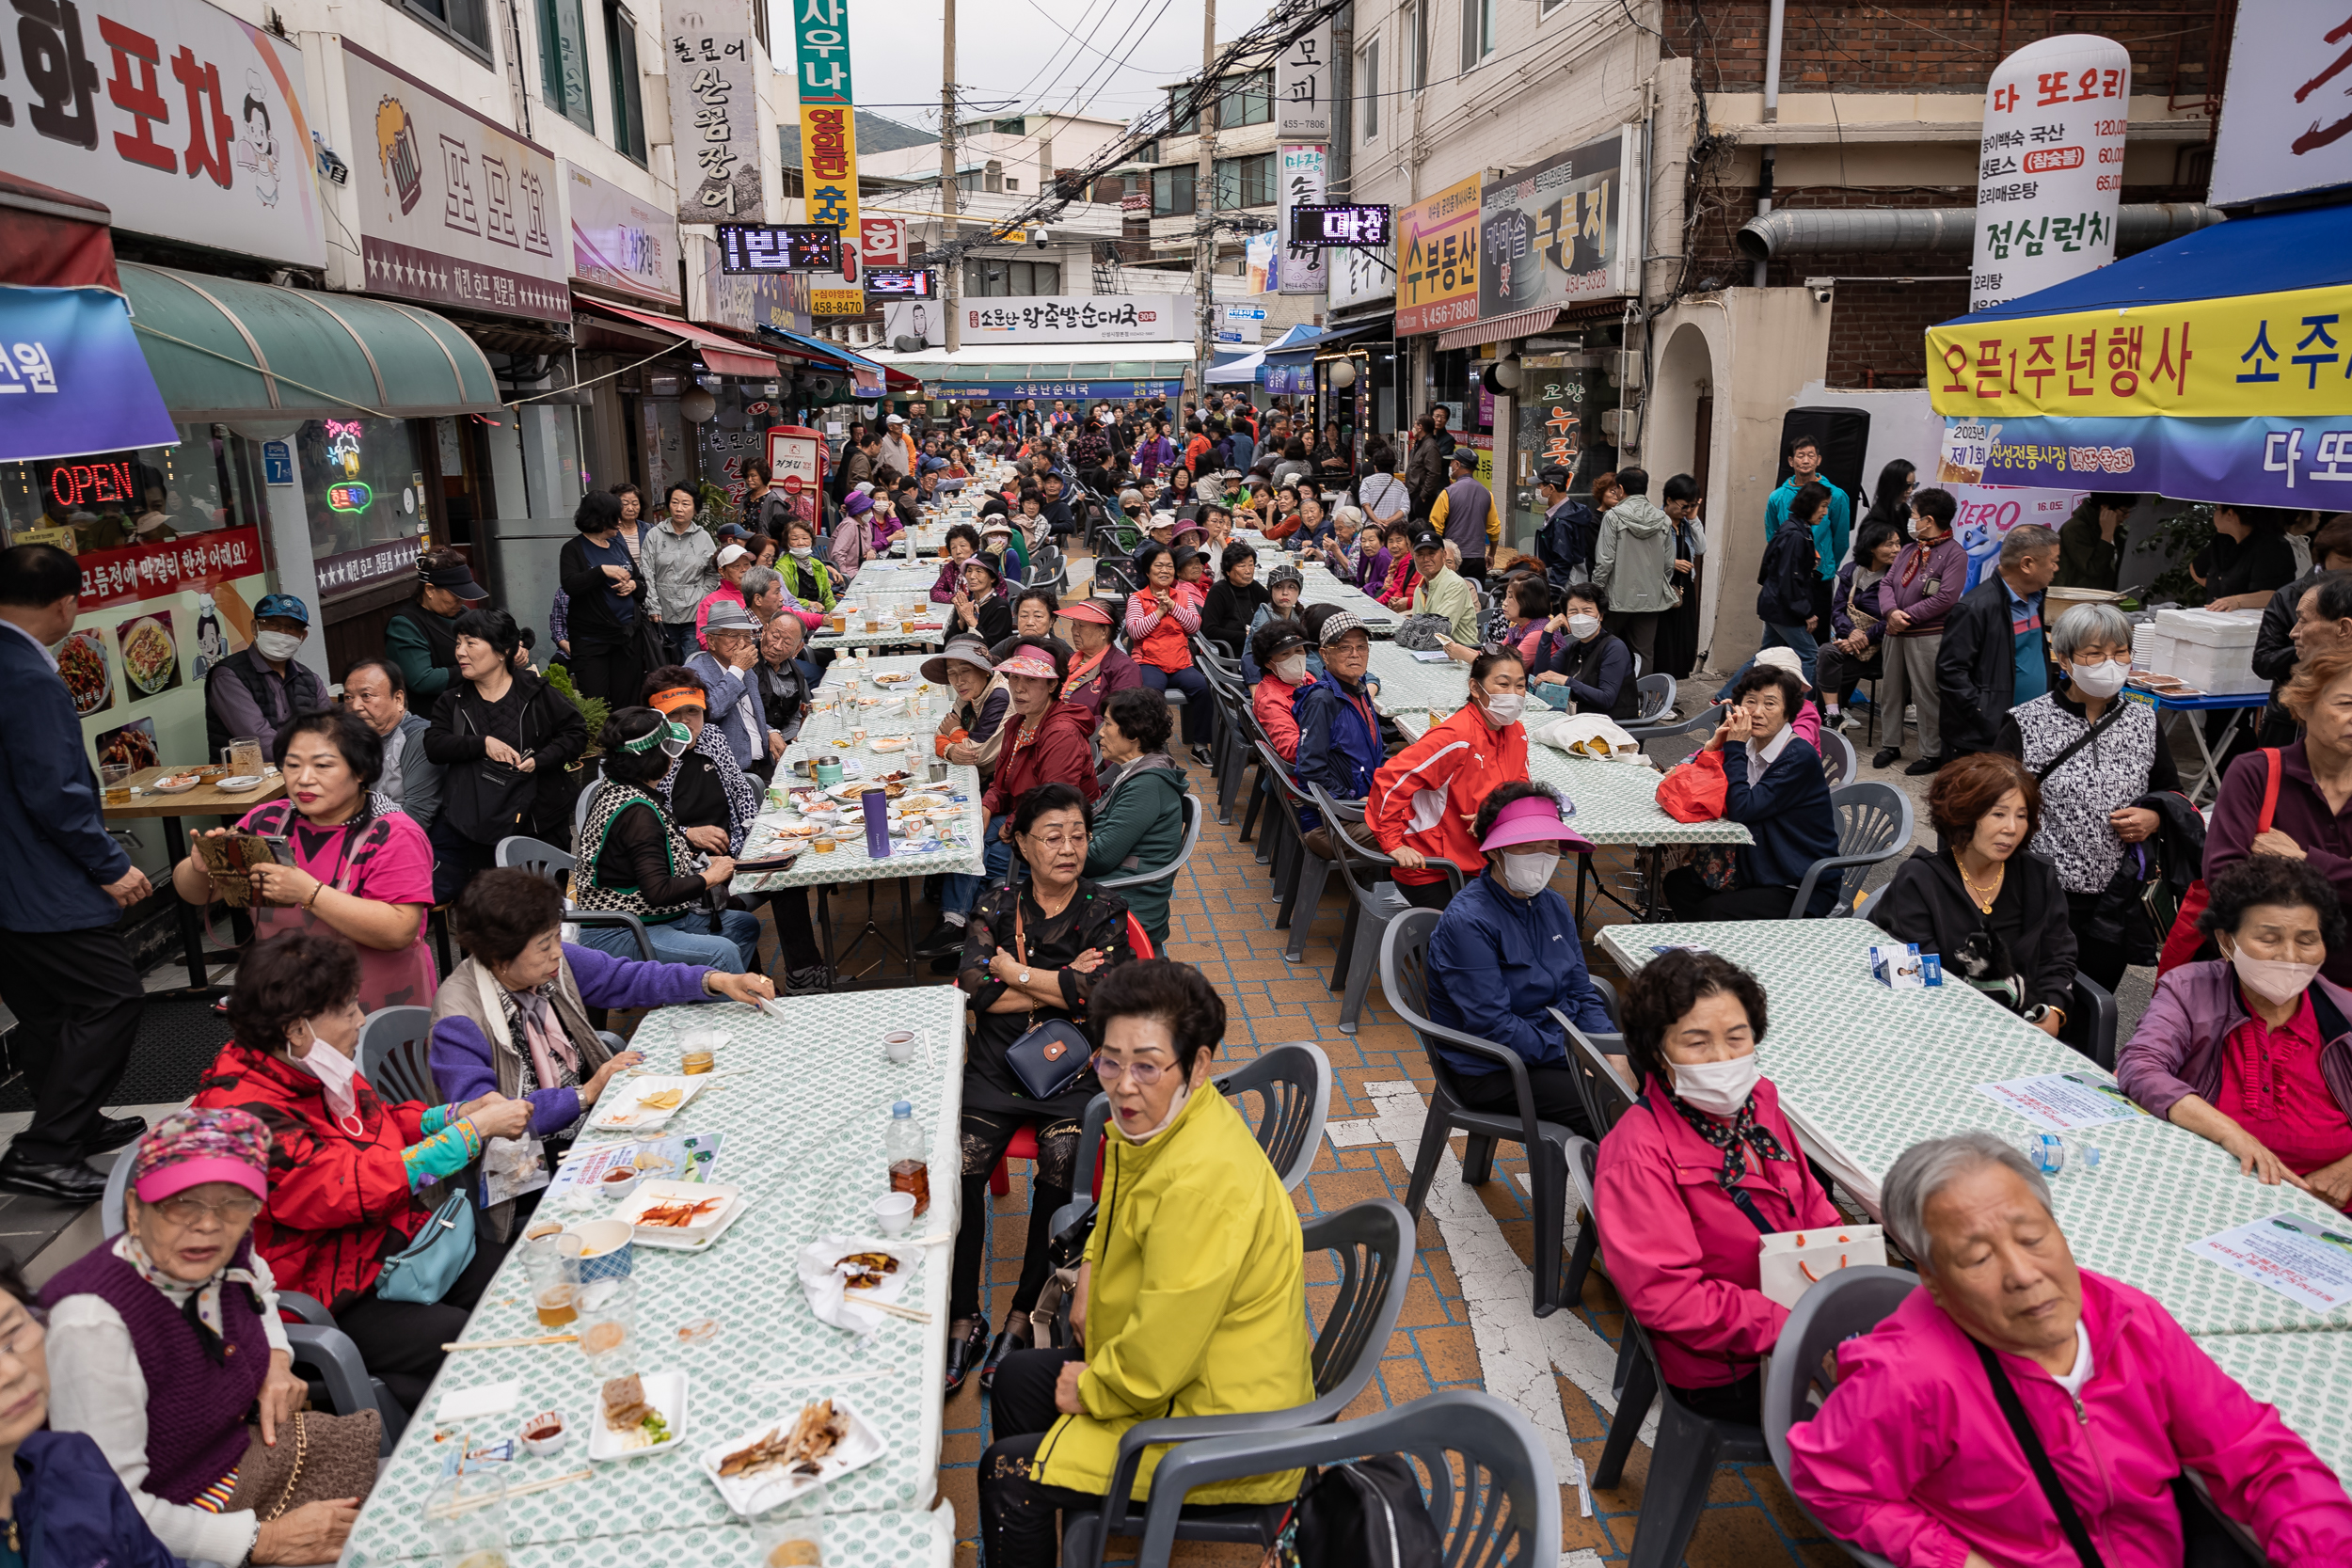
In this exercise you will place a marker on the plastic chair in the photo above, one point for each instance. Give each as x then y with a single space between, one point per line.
1294 1082
1300 875
1850 1301
1583 1168
1375 1242
1606 1094
537 855
587 790
1193 814
1373 902
2094 1019
1238 731
313 1329
1504 1509
1658 699
1874 825
395 1054
1404 978
1838 759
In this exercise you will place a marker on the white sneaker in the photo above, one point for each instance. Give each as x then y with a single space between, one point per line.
1841 723
1911 714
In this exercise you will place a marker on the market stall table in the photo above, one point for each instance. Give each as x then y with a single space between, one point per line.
1409 683
799 1104
136 800
2307 1376
1864 1071
890 597
2238 705
897 1537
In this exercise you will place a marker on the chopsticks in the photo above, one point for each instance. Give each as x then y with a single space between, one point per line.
913 1315
548 1485
517 1340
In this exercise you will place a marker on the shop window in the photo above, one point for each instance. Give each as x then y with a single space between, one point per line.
1245 101
629 110
1246 182
1171 191
564 62
363 491
1012 126
993 278
468 22
1368 73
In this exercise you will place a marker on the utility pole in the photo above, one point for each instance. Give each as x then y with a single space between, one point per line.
954 266
1205 211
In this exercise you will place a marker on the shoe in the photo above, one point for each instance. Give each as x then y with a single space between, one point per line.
943 940
964 1354
1924 766
68 1184
113 1133
806 982
947 963
1840 722
1015 1336
1886 756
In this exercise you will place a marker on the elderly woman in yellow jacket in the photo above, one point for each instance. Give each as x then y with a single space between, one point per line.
1192 1299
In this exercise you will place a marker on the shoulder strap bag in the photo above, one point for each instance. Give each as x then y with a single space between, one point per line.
2184 941
1049 1056
645 637
424 1270
2092 733
2005 1394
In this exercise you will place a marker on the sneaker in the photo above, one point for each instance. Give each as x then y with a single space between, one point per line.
943 941
1911 713
1924 766
1886 756
1840 722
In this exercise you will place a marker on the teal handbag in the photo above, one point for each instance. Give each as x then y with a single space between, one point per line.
424 1270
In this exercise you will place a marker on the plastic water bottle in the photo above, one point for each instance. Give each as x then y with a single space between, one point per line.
907 1151
2046 1153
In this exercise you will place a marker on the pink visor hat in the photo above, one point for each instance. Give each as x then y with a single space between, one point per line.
1533 819
1030 663
188 1149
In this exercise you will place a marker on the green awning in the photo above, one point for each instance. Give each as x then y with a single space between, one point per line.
221 349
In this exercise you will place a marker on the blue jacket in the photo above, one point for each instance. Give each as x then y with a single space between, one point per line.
1337 748
72 1511
1496 961
1788 811
52 837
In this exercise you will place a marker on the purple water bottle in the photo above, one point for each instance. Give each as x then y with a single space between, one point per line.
877 804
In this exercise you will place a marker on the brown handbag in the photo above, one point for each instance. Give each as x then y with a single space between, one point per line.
319 1458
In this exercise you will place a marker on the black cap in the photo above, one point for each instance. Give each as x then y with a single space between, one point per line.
1553 475
458 579
1426 540
988 562
1467 456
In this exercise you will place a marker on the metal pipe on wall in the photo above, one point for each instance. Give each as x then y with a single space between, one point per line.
1771 116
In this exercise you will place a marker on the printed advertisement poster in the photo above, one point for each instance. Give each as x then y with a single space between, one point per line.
1437 275
184 120
1987 511
619 242
1303 272
454 208
2050 167
2309 1260
1049 319
155 618
2061 1101
821 32
1361 276
2285 126
1555 232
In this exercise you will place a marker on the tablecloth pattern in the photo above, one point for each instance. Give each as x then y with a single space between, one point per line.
894 1539
1878 1070
1617 802
802 1119
2307 1376
1408 684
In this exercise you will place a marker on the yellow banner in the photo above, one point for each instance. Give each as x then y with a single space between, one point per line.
829 187
2284 354
1437 275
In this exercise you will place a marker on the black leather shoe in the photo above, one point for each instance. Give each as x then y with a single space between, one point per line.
807 982
113 1133
1886 756
943 941
1924 766
68 1184
1015 1336
964 1355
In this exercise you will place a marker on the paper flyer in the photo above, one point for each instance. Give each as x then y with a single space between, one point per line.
687 1157
2295 1257
2061 1101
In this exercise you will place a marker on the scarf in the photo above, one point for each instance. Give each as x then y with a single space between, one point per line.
201 1303
1081 673
1741 1130
742 795
531 1018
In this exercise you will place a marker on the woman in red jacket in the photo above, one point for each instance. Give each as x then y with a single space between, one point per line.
1162 617
1424 797
349 1174
1046 740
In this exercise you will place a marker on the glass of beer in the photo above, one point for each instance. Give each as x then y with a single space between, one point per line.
554 1262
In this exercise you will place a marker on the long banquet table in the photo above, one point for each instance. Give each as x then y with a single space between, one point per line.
800 1104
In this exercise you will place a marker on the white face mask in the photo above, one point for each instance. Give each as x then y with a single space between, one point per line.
1584 627
2277 981
1292 668
1719 1089
2103 679
1504 708
1528 875
334 1070
1175 1109
801 552
277 645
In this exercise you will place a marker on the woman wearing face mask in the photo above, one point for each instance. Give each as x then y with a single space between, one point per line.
805 577
1505 950
2254 1049
1993 912
1700 1167
634 858
348 1172
1442 779
1279 649
1181 1315
1578 663
1772 786
2099 759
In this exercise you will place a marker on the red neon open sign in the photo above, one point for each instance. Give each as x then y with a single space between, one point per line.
79 483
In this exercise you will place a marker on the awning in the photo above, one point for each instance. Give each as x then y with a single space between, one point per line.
221 349
865 373
54 239
97 395
1240 371
1518 324
2217 367
723 356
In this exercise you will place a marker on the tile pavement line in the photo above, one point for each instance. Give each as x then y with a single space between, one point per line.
1517 1349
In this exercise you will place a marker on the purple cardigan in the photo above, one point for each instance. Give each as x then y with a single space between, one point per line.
2302 815
1905 587
462 1064
2178 1048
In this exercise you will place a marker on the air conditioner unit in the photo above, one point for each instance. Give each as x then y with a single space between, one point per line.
1613 423
1624 369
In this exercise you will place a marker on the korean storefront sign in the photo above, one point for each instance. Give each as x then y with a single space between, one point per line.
2050 167
1303 272
454 208
183 119
821 35
72 377
1053 319
1437 275
1302 87
2274 140
1556 232
1359 275
1123 390
707 48
620 241
883 242
744 301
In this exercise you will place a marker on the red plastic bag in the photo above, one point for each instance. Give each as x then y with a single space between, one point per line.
1696 791
2183 942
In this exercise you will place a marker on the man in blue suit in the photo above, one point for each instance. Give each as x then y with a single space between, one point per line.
65 970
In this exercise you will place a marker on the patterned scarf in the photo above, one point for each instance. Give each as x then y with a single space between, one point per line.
530 1020
742 795
1730 1137
201 1305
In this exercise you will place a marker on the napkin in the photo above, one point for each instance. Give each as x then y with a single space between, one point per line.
488 1398
823 1281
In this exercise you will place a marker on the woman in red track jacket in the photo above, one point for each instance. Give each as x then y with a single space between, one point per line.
1423 799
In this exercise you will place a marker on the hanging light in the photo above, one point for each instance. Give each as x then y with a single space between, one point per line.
697 406
1342 373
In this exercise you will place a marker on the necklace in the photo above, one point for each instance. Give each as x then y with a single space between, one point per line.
1977 894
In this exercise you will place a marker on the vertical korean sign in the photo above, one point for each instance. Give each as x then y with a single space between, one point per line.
1436 269
2050 170
820 33
1302 87
713 117
1303 272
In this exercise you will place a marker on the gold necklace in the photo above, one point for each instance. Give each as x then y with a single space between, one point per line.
1983 900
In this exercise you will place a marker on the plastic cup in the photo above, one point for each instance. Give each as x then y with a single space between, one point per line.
898 1045
553 1264
893 1212
464 1517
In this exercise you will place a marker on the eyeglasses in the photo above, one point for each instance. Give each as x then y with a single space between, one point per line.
1070 839
1144 1074
189 1210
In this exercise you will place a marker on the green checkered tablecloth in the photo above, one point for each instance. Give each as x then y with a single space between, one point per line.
2307 1376
1322 587
1617 802
1409 685
1874 1071
802 1110
899 1538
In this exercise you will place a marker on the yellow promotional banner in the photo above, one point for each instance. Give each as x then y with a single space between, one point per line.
1437 274
829 177
2285 354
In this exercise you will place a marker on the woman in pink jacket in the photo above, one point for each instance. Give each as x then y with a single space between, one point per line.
1911 1458
1696 1174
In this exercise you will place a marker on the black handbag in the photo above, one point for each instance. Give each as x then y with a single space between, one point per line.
1052 1056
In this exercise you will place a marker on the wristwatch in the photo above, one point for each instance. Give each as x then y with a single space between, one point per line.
1025 977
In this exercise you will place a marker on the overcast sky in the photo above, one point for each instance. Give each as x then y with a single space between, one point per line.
1106 56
